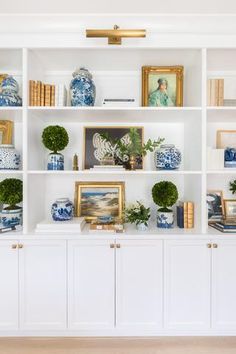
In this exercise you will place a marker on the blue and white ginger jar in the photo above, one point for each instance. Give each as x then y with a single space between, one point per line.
230 157
82 88
9 158
62 210
55 162
167 157
11 217
165 220
9 89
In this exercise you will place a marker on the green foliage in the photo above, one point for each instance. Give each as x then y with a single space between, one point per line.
11 192
137 214
232 186
55 138
135 146
165 194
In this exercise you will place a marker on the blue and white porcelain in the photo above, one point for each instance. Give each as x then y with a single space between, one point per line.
9 158
9 84
55 162
167 157
9 96
141 227
82 88
230 157
11 217
62 210
165 220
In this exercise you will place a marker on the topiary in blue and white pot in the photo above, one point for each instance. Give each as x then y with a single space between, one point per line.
82 88
11 217
55 162
167 157
62 210
165 219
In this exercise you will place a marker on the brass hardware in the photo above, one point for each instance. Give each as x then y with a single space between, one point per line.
115 35
117 245
20 245
215 245
14 246
112 245
209 245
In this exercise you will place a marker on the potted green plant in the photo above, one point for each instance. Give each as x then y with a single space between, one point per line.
11 193
139 215
55 138
134 149
232 186
165 195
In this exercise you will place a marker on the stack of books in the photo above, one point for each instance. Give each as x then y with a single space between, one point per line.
185 215
41 94
116 226
215 92
75 225
230 102
227 226
107 168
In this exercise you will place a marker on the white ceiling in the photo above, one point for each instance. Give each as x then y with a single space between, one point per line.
118 6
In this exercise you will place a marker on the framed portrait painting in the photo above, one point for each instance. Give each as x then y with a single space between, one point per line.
96 148
215 205
162 86
96 199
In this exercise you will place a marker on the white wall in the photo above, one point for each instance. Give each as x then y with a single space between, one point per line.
120 6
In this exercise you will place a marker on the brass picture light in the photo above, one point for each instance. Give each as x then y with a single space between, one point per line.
116 34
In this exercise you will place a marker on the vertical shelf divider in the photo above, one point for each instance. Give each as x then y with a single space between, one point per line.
204 140
25 139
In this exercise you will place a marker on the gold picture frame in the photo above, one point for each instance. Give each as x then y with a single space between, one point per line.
161 71
6 129
96 193
216 216
87 165
225 138
227 203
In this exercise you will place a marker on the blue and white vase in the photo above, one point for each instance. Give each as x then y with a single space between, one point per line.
82 88
9 158
55 162
9 89
62 210
11 217
167 157
230 157
9 84
165 220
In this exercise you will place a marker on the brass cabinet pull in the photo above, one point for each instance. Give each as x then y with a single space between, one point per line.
112 245
20 245
14 246
209 245
118 245
215 245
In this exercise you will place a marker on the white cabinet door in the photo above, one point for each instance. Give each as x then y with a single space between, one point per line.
187 284
224 285
91 284
43 269
139 285
8 285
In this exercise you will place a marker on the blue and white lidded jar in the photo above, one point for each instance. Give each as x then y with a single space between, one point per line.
9 158
62 210
165 220
9 89
167 157
230 157
55 162
11 217
82 88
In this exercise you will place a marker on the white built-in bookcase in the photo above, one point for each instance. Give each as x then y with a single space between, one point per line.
117 73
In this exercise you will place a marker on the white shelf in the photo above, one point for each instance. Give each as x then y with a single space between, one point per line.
104 108
125 172
225 171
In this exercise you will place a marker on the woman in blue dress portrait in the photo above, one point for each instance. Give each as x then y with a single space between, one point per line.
160 97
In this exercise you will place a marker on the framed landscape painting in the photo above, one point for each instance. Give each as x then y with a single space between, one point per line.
162 86
96 148
96 199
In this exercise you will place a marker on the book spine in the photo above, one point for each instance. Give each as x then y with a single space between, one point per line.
52 103
42 95
185 212
56 94
216 101
47 95
221 92
180 217
31 92
190 217
35 94
38 92
213 92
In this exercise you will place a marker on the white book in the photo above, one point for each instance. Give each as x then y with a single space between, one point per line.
215 159
119 167
56 94
50 226
62 95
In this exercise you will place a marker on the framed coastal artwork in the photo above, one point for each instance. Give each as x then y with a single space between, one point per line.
162 86
230 208
96 148
6 130
96 199
226 139
215 205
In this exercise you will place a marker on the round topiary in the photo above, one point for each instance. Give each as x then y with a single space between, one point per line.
165 194
55 138
11 192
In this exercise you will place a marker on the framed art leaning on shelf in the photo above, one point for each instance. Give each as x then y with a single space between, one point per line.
162 86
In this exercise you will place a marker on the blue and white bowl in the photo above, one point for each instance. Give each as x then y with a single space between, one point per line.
55 162
11 217
82 88
167 157
9 158
62 210
165 220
